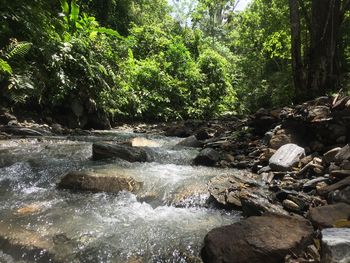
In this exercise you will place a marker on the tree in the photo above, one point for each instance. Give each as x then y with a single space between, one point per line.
320 72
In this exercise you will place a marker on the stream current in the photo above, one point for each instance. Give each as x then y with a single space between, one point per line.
166 221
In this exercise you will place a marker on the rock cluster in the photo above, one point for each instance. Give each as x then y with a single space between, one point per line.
300 159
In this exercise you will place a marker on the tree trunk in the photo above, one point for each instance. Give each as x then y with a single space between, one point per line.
325 26
297 63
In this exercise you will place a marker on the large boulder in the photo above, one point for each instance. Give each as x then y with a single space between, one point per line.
98 182
207 157
335 245
329 215
106 150
286 157
266 238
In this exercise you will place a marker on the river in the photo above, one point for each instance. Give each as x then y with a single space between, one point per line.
160 223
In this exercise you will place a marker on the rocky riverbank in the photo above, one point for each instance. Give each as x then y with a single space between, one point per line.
302 157
295 194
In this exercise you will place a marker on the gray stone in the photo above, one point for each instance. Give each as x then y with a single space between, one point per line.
343 154
98 182
21 131
311 184
226 189
190 142
285 157
335 245
329 156
340 174
280 138
340 196
207 157
333 187
256 203
266 238
106 150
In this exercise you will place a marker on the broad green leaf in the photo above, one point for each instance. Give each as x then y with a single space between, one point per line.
74 13
65 7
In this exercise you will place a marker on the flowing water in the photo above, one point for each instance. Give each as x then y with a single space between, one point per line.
165 221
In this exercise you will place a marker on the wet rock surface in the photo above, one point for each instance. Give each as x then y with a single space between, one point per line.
107 150
99 182
336 245
257 239
329 215
207 157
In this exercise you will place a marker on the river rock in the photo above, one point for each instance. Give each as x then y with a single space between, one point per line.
329 156
257 239
191 141
286 156
318 113
98 182
335 245
179 130
333 187
340 174
340 196
343 154
256 203
6 117
207 157
143 142
25 244
21 131
128 153
226 189
280 138
329 215
195 194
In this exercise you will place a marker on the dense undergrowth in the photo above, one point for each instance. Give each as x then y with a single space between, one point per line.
130 59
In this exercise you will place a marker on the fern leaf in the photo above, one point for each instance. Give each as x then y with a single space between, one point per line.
5 67
18 49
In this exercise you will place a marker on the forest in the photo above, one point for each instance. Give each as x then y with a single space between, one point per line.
174 131
156 61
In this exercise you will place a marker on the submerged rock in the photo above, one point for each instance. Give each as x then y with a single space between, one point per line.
207 157
257 239
128 153
286 156
24 244
98 182
335 245
329 215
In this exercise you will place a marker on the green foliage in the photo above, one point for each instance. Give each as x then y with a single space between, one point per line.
5 67
260 36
